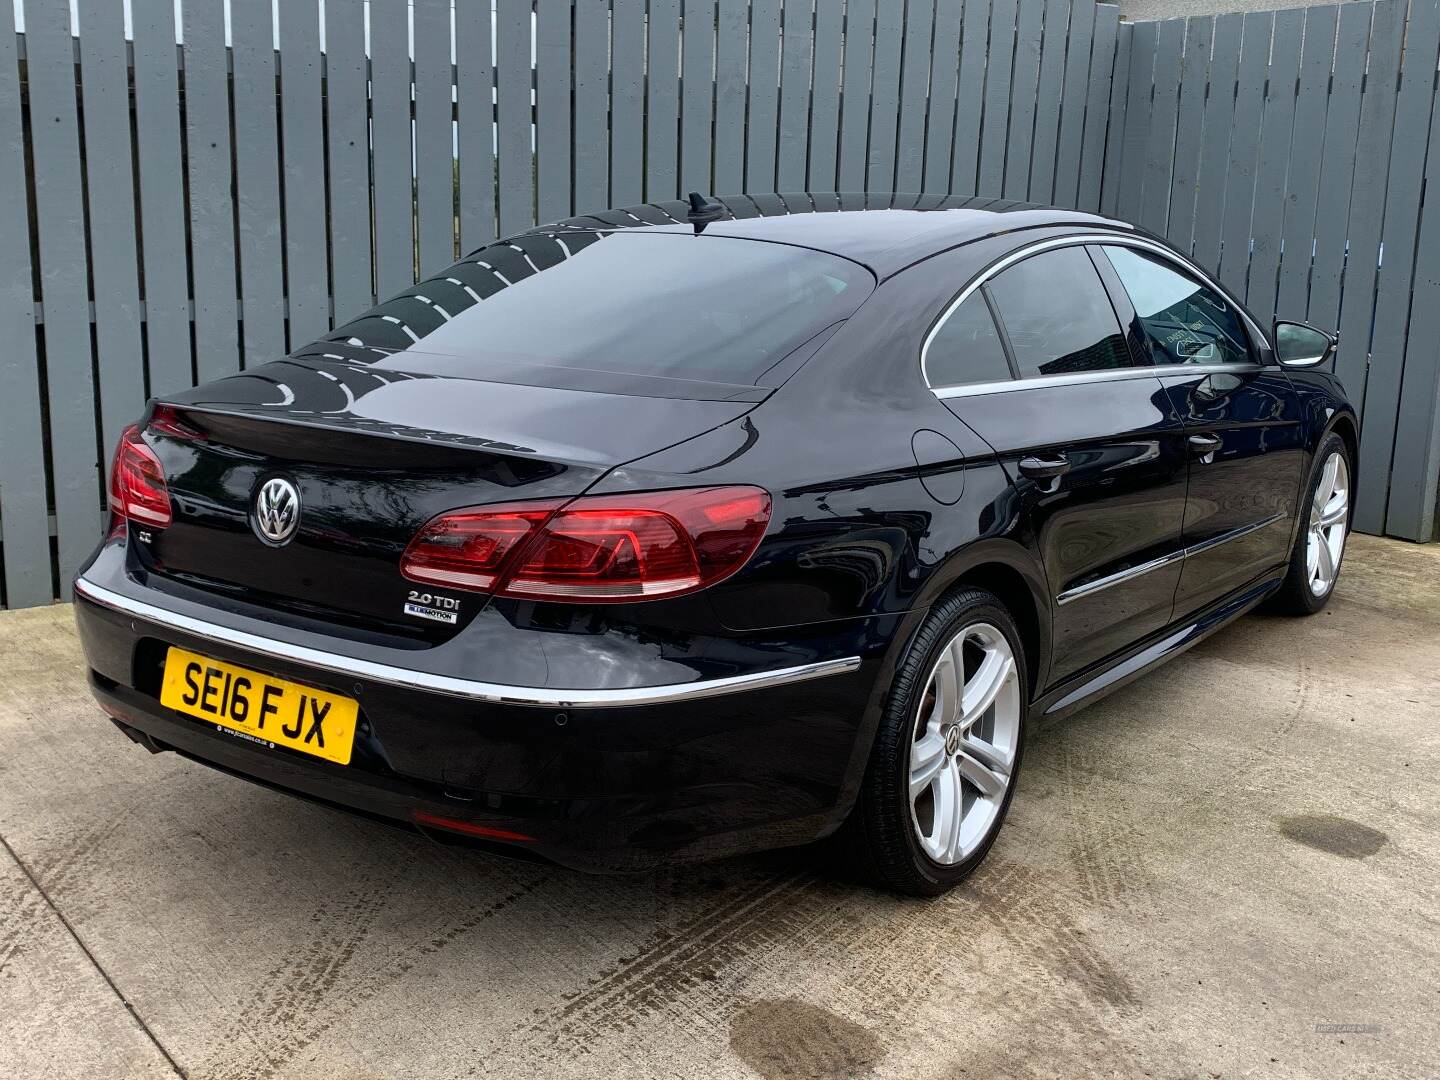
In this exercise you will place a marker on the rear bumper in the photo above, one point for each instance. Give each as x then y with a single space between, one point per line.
605 779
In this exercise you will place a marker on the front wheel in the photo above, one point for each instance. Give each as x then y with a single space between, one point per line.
1319 547
943 768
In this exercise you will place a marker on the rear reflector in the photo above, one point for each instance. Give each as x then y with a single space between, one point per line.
137 483
469 828
602 549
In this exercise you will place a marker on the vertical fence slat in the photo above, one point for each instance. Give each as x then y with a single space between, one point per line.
347 135
64 288
212 214
1143 44
795 60
764 95
914 90
1381 404
627 103
944 75
1050 92
1412 508
514 159
390 132
24 515
592 106
109 185
1189 126
1337 167
1268 216
1160 143
969 94
257 183
825 96
307 277
434 136
855 100
662 147
164 256
1367 205
552 109
995 123
1104 127
1064 182
1215 143
1244 149
475 90
1024 81
1306 147
884 97
732 43
697 64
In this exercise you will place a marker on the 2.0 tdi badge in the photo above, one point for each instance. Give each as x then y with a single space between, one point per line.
277 511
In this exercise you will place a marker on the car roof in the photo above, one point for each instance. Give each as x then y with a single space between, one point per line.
884 232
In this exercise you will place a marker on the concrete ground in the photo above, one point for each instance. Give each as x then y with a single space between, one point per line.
1231 868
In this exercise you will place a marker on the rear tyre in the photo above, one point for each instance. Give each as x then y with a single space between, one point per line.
1315 560
943 767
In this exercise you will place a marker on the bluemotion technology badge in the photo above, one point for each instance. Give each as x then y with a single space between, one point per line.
277 511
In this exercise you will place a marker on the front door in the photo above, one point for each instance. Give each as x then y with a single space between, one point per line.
1242 426
1093 443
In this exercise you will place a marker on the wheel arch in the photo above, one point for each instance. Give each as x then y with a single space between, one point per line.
1009 571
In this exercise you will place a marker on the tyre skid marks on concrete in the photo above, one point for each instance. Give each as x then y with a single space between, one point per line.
717 937
896 963
302 998
20 909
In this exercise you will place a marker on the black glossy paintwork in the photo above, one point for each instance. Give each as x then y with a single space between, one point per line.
1252 477
1121 504
873 520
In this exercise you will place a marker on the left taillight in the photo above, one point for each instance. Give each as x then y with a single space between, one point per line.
596 549
137 482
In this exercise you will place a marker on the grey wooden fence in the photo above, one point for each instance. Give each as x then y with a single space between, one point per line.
169 215
1298 152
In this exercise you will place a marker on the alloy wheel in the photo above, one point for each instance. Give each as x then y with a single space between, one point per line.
1329 514
966 739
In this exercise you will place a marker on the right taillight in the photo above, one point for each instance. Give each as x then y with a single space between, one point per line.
601 549
137 482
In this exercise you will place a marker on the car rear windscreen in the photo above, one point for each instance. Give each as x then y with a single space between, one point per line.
643 303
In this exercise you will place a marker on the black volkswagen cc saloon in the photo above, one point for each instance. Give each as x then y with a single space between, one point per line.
698 528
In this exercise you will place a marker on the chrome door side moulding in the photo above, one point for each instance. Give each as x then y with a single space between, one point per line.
1101 584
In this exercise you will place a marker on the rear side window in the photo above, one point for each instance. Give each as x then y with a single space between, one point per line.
1058 316
966 348
1185 322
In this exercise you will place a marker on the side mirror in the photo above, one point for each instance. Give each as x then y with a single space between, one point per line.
1300 345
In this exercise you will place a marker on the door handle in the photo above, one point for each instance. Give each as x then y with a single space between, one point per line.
1204 446
1044 468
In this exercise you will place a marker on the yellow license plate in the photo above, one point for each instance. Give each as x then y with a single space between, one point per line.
266 710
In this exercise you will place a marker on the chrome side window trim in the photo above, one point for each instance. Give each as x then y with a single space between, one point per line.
1100 239
1072 378
488 693
1101 584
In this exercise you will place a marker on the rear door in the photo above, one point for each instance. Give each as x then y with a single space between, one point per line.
1089 436
1242 424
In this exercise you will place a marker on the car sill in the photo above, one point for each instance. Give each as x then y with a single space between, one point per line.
488 693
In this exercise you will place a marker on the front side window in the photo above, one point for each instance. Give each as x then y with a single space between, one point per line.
1058 316
1184 322
966 348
